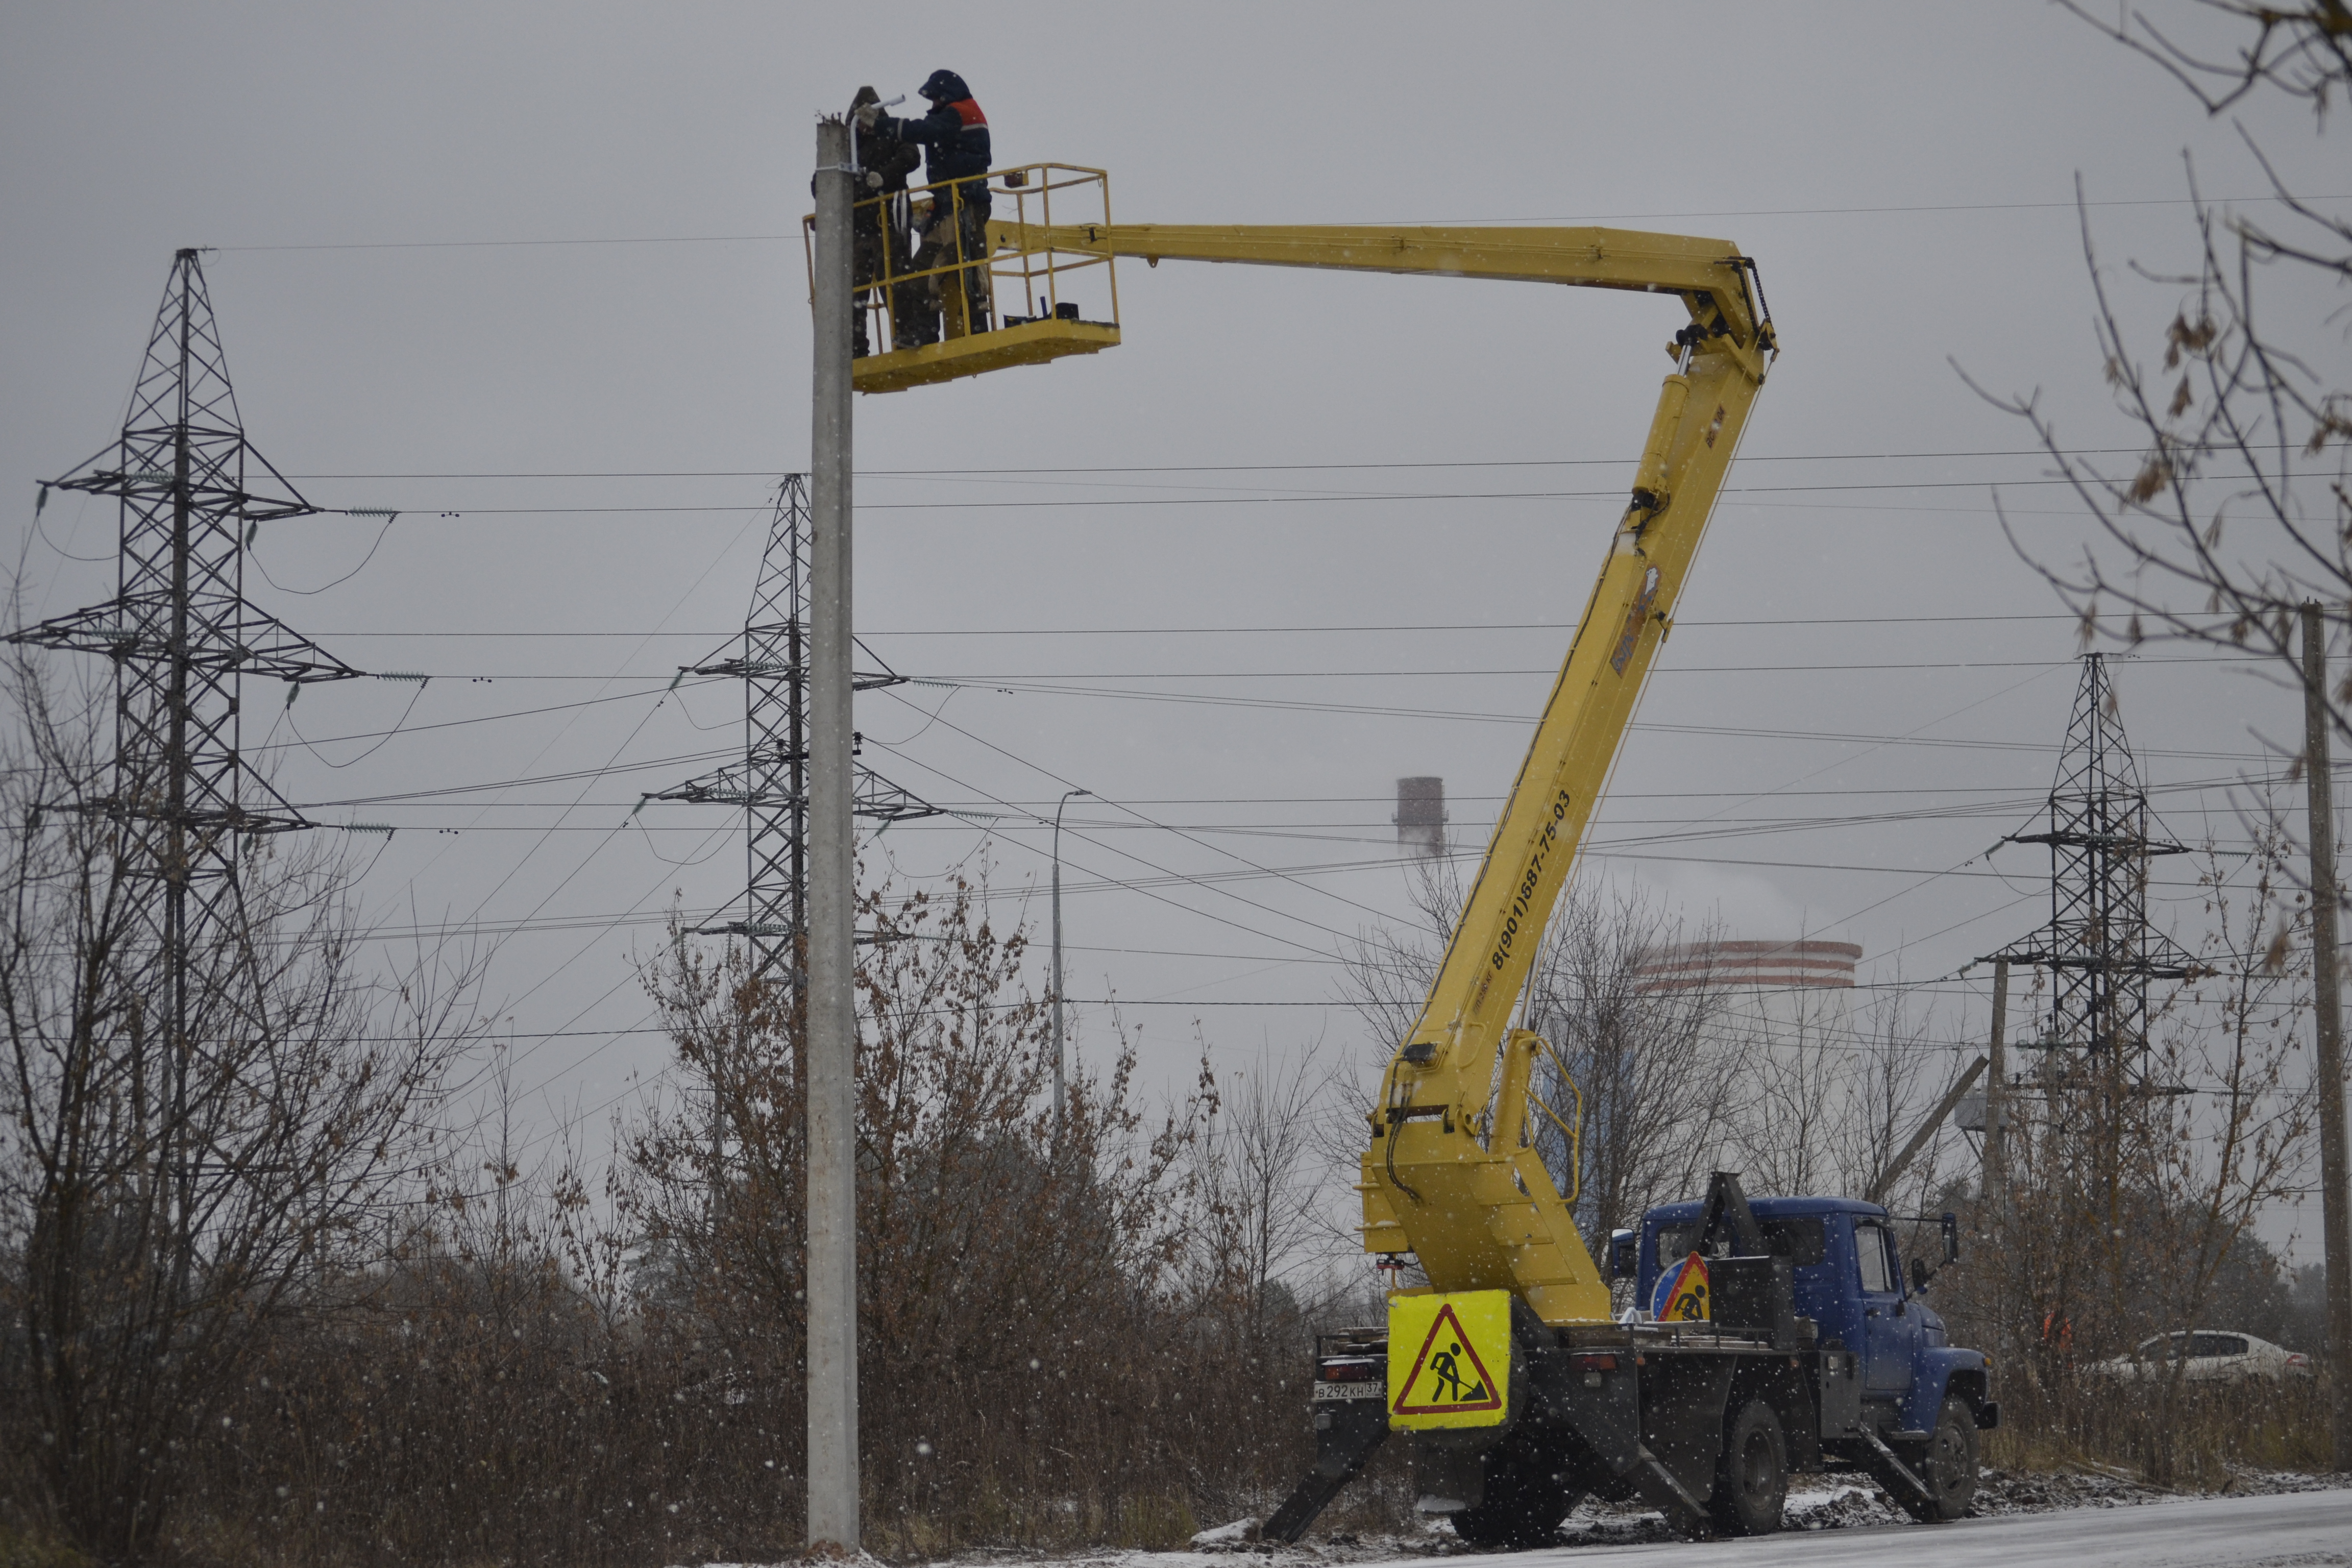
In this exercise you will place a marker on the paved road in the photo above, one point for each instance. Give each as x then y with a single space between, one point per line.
2299 1529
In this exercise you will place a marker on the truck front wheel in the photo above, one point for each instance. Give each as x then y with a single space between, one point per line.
1948 1465
1751 1475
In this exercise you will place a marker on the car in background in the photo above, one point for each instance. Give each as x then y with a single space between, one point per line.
2213 1356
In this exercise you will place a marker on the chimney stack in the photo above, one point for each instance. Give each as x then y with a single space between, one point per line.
1421 817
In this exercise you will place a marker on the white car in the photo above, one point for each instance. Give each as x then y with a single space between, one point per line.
2213 1357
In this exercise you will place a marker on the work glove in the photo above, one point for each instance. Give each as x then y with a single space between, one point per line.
867 114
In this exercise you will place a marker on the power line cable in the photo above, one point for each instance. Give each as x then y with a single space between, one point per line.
1141 885
1359 497
1680 625
1744 457
1423 672
793 238
937 718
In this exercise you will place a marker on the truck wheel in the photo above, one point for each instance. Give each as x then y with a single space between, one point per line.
1751 1474
1525 1498
1948 1465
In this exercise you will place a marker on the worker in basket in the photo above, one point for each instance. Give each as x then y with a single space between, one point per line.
881 239
954 139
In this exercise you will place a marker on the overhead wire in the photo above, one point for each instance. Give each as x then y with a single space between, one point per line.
753 516
1277 872
1144 887
1148 823
1462 716
1132 630
1746 458
286 717
2076 204
255 556
1140 815
481 718
457 512
1855 667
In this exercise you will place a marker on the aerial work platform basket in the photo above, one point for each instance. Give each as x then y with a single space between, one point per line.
948 287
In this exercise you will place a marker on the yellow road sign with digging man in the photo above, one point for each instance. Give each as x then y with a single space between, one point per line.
1449 1359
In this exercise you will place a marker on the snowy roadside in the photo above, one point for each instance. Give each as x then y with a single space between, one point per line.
1843 1506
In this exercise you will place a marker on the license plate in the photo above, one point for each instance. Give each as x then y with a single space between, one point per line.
1349 1390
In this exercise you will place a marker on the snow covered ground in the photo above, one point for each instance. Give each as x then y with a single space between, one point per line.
2289 1530
2268 1520
2021 1521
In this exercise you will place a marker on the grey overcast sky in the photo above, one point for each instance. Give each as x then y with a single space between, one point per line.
531 274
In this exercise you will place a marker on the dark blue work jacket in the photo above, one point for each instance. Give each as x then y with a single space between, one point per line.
954 139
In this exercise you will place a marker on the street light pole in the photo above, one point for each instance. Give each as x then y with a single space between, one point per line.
1058 1068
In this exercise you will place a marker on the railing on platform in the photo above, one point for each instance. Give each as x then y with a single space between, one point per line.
949 283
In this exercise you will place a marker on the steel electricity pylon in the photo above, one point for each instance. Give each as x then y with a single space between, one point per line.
2098 946
183 638
2102 955
771 782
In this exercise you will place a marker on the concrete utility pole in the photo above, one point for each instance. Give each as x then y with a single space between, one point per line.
1996 1156
1057 959
2336 1199
832 1271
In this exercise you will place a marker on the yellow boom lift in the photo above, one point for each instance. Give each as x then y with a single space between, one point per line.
1451 1173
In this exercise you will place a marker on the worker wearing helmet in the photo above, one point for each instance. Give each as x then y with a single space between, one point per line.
881 243
954 139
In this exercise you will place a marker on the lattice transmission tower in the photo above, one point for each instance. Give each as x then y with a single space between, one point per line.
2089 1145
182 639
771 782
2098 946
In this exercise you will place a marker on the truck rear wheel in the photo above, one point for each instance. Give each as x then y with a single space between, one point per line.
1525 1498
1751 1474
1948 1465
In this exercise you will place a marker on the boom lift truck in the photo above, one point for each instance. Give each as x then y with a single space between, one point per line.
1782 1335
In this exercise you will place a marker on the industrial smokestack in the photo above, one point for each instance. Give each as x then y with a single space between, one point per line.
1421 817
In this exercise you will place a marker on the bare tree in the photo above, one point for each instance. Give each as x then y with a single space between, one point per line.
1649 1073
1389 971
2302 51
2238 508
1790 1132
164 1202
1262 1190
1641 1067
1898 1070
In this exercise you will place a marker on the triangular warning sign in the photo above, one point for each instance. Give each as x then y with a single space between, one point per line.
1682 1295
1447 1377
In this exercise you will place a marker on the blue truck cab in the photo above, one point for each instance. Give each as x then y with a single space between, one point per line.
1848 1279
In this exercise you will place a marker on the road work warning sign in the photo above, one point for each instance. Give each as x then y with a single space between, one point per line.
1449 1359
1682 1294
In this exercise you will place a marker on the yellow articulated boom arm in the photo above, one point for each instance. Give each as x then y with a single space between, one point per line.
1451 1174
